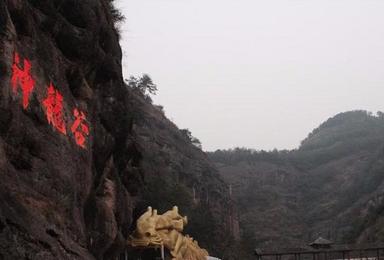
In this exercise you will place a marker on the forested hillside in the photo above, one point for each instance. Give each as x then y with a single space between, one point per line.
332 185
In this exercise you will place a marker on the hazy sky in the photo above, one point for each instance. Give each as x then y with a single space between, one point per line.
257 73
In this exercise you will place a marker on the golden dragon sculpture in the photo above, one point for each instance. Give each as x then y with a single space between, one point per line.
165 230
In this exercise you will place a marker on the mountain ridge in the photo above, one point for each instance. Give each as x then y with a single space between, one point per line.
323 187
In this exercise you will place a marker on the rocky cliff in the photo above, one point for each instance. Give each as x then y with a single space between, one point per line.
82 154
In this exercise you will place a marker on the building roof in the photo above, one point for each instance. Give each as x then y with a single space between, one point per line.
273 251
321 242
310 250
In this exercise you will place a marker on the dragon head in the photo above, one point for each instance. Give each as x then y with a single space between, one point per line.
146 233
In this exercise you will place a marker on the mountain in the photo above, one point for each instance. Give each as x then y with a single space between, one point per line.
81 153
332 185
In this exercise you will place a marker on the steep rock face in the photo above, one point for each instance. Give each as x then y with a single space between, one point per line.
331 186
48 178
75 163
175 172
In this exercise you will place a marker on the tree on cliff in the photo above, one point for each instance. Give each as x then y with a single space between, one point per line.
144 84
188 135
117 16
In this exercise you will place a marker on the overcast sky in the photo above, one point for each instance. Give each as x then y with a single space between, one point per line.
256 73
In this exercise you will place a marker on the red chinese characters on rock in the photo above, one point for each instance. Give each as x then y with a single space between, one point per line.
53 104
80 128
23 78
